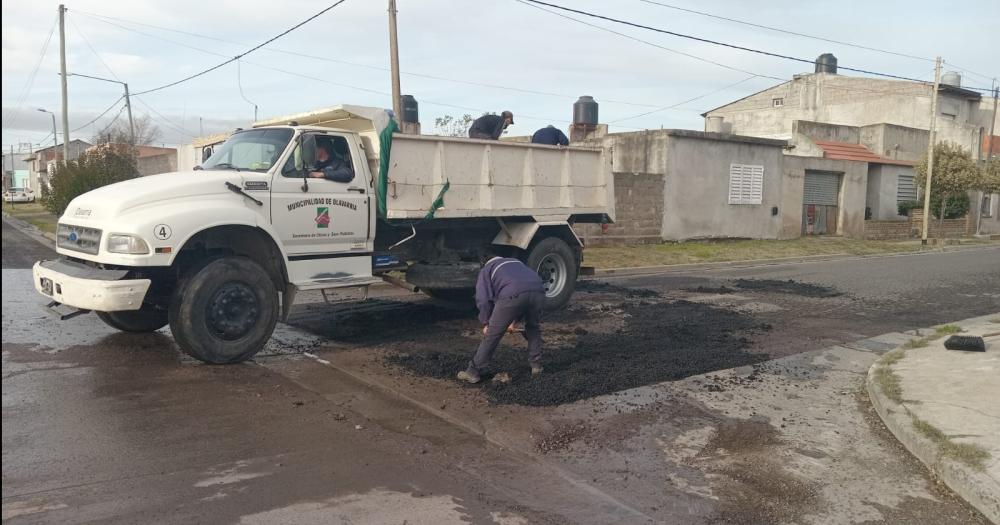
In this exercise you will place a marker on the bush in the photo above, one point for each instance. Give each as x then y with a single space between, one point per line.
91 171
903 208
958 206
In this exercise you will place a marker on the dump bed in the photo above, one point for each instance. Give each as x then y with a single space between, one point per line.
472 177
488 178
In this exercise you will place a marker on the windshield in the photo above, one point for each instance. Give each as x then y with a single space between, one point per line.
251 150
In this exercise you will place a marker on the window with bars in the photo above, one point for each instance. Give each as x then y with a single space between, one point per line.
777 102
746 184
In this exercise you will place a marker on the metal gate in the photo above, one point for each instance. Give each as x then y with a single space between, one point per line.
820 199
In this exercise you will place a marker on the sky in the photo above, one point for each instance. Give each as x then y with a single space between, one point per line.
457 57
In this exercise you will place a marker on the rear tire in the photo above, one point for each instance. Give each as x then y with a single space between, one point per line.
225 312
556 263
146 319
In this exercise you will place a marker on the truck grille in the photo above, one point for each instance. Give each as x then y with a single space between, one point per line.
78 238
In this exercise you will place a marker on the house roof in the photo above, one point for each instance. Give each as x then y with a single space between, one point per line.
849 151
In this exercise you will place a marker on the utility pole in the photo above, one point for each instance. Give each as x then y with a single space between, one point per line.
128 100
930 150
65 87
993 123
128 107
397 102
989 157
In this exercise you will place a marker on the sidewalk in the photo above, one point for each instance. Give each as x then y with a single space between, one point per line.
943 407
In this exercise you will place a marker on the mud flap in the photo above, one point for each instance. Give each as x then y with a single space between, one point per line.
287 300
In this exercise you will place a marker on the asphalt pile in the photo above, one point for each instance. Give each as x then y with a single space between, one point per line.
787 287
659 341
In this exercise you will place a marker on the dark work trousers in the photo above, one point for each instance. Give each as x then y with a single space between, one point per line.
526 306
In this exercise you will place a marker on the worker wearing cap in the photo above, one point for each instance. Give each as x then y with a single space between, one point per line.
507 291
490 127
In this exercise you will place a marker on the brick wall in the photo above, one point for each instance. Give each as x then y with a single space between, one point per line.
638 212
887 230
893 230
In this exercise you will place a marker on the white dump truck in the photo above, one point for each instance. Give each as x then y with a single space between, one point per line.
220 252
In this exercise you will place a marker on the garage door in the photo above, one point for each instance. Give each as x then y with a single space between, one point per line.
821 188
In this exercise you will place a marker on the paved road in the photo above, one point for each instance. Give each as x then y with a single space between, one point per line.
104 426
19 250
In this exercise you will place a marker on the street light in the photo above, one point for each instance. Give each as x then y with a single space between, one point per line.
55 138
128 103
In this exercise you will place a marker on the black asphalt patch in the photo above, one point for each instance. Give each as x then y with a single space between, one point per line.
787 287
659 342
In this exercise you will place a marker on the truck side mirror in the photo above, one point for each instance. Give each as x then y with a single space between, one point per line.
307 152
206 152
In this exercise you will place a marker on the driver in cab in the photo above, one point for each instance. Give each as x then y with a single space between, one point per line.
331 163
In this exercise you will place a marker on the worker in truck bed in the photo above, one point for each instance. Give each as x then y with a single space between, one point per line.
507 291
490 127
550 135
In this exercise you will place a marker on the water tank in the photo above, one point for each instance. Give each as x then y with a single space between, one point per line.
826 63
585 111
410 110
714 124
952 78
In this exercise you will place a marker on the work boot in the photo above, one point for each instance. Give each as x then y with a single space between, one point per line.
536 370
469 377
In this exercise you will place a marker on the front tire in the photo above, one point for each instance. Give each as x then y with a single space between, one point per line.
556 263
146 319
225 312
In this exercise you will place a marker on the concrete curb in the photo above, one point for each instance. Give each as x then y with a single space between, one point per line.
973 486
751 263
30 230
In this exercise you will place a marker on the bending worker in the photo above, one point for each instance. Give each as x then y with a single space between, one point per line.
490 127
550 135
507 291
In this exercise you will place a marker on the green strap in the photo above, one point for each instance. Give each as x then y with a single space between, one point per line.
381 186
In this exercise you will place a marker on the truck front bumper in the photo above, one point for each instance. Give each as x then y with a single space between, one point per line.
81 286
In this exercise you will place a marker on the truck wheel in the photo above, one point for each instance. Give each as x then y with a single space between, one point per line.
146 319
554 261
225 312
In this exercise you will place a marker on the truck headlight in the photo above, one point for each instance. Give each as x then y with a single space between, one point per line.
131 244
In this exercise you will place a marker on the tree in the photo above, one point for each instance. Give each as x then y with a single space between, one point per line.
95 168
146 132
990 182
955 173
453 127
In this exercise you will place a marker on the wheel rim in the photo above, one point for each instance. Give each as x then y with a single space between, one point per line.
553 271
233 311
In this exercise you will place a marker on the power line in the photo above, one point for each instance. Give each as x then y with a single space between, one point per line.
804 35
92 50
95 119
112 122
170 124
786 31
243 54
630 37
718 43
11 116
322 80
106 18
672 106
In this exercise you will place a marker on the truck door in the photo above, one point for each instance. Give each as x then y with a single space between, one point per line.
324 223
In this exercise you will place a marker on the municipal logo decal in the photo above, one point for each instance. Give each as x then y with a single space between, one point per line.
323 217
